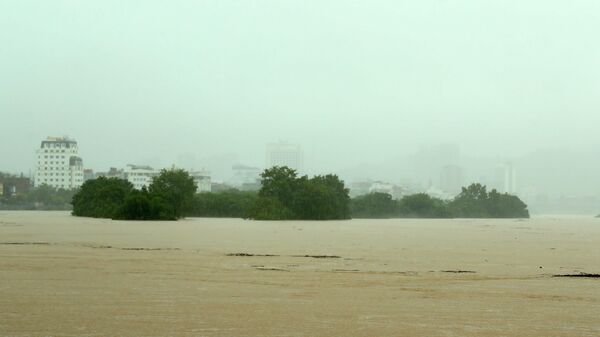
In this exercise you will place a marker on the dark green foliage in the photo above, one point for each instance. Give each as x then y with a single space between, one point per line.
422 205
267 208
176 188
375 205
280 183
43 197
473 202
225 204
140 205
169 195
285 196
506 206
101 198
321 198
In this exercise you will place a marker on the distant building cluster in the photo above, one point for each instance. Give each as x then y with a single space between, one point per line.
59 166
12 186
141 176
438 170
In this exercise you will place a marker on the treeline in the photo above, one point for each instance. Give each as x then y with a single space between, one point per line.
473 202
169 195
225 204
284 195
43 197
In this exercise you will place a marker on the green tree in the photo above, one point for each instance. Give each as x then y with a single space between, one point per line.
174 190
506 206
281 183
472 202
320 198
266 208
422 205
374 205
475 202
284 195
229 203
101 197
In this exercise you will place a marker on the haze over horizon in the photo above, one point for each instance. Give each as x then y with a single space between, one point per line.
355 83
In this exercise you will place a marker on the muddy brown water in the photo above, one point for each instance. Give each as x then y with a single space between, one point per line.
67 276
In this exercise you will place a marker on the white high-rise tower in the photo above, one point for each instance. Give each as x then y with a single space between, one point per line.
285 154
58 164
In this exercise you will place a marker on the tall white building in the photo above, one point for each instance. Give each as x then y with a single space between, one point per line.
58 164
285 154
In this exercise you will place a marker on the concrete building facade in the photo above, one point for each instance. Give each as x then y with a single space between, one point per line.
202 180
139 175
285 154
58 164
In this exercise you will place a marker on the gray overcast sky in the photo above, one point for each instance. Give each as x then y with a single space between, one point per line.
352 81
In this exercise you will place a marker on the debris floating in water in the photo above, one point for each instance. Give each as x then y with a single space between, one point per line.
582 275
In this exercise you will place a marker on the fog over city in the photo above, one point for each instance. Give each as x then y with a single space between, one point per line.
371 90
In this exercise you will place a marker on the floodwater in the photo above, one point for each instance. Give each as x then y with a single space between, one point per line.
67 276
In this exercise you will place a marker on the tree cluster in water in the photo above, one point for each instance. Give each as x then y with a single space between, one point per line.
167 198
43 197
284 195
473 202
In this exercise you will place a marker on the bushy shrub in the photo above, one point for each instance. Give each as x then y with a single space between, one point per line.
284 196
101 198
167 198
224 204
374 205
473 202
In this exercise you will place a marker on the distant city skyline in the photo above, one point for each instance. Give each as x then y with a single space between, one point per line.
361 88
443 166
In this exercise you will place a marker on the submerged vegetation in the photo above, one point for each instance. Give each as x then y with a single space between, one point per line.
473 202
284 195
43 197
168 196
225 204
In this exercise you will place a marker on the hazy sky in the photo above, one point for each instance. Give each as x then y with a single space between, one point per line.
352 81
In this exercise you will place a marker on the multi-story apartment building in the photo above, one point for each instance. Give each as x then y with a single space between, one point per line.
285 154
58 164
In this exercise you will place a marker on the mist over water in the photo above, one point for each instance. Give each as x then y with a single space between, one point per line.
376 90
